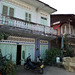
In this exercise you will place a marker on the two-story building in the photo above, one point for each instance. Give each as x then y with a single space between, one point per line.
64 24
28 24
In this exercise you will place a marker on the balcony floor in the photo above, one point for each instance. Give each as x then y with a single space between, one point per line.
17 31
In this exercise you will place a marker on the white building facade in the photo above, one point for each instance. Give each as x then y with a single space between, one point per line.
28 24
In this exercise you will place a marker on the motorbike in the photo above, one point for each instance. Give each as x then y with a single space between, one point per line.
35 66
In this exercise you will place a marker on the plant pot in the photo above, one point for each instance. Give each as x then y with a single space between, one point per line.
6 36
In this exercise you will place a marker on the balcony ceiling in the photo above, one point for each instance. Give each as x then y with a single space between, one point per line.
40 5
14 31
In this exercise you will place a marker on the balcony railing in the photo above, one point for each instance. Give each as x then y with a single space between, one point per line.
15 22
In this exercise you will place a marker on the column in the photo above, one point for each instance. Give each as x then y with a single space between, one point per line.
69 28
65 29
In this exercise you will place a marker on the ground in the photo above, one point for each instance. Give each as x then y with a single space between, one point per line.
48 70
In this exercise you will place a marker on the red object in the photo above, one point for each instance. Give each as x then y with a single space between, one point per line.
0 74
56 27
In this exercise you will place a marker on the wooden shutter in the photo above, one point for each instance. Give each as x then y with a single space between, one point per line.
29 17
26 16
5 10
11 12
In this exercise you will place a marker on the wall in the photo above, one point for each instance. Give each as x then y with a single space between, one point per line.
20 12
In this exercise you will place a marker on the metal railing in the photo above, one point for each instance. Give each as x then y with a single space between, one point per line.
15 22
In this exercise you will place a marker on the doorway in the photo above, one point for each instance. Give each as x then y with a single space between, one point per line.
18 59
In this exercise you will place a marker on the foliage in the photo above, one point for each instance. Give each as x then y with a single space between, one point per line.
1 36
67 47
4 36
6 65
51 56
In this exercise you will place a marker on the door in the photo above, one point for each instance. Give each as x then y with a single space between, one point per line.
18 59
28 50
8 49
43 49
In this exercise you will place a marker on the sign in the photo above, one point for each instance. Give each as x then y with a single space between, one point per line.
56 22
43 42
21 39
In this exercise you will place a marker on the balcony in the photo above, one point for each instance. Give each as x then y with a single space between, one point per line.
21 27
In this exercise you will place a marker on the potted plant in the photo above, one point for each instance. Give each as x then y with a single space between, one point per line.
1 36
6 36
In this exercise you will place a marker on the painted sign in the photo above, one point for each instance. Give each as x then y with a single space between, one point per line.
21 39
43 42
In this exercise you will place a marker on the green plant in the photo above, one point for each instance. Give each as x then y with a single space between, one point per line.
1 36
5 36
67 47
51 56
6 65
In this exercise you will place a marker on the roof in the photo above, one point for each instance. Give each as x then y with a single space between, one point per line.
47 5
63 18
40 5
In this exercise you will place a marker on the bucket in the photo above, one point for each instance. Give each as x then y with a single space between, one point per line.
57 59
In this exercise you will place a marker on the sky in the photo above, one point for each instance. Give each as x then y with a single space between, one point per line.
62 6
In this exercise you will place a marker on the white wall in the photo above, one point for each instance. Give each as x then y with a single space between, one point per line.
20 12
0 7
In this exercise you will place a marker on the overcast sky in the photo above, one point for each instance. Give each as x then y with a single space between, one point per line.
62 6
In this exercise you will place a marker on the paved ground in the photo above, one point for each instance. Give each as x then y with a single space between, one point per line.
47 71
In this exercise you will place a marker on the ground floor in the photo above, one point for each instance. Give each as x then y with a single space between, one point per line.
21 47
48 70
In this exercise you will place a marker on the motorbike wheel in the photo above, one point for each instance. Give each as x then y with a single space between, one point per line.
41 71
26 66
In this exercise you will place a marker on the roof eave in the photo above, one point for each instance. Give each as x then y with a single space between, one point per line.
53 9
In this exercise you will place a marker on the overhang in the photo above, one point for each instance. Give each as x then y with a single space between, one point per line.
40 5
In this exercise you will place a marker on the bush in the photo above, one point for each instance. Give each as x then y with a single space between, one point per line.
51 56
6 66
67 48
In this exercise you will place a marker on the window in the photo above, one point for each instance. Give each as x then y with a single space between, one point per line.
43 21
28 17
5 10
11 12
8 11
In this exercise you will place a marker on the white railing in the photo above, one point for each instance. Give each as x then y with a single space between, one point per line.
10 21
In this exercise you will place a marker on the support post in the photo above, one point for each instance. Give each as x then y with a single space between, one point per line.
62 46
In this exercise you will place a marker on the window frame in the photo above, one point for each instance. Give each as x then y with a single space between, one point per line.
28 17
4 11
43 20
8 10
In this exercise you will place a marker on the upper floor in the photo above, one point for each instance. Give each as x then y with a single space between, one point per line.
64 23
28 10
29 16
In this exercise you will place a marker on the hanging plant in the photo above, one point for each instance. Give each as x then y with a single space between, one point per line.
6 36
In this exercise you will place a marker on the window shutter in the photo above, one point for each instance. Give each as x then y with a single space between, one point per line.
11 12
5 10
26 16
29 17
43 21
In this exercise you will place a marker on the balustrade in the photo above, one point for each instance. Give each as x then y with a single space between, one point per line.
15 22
